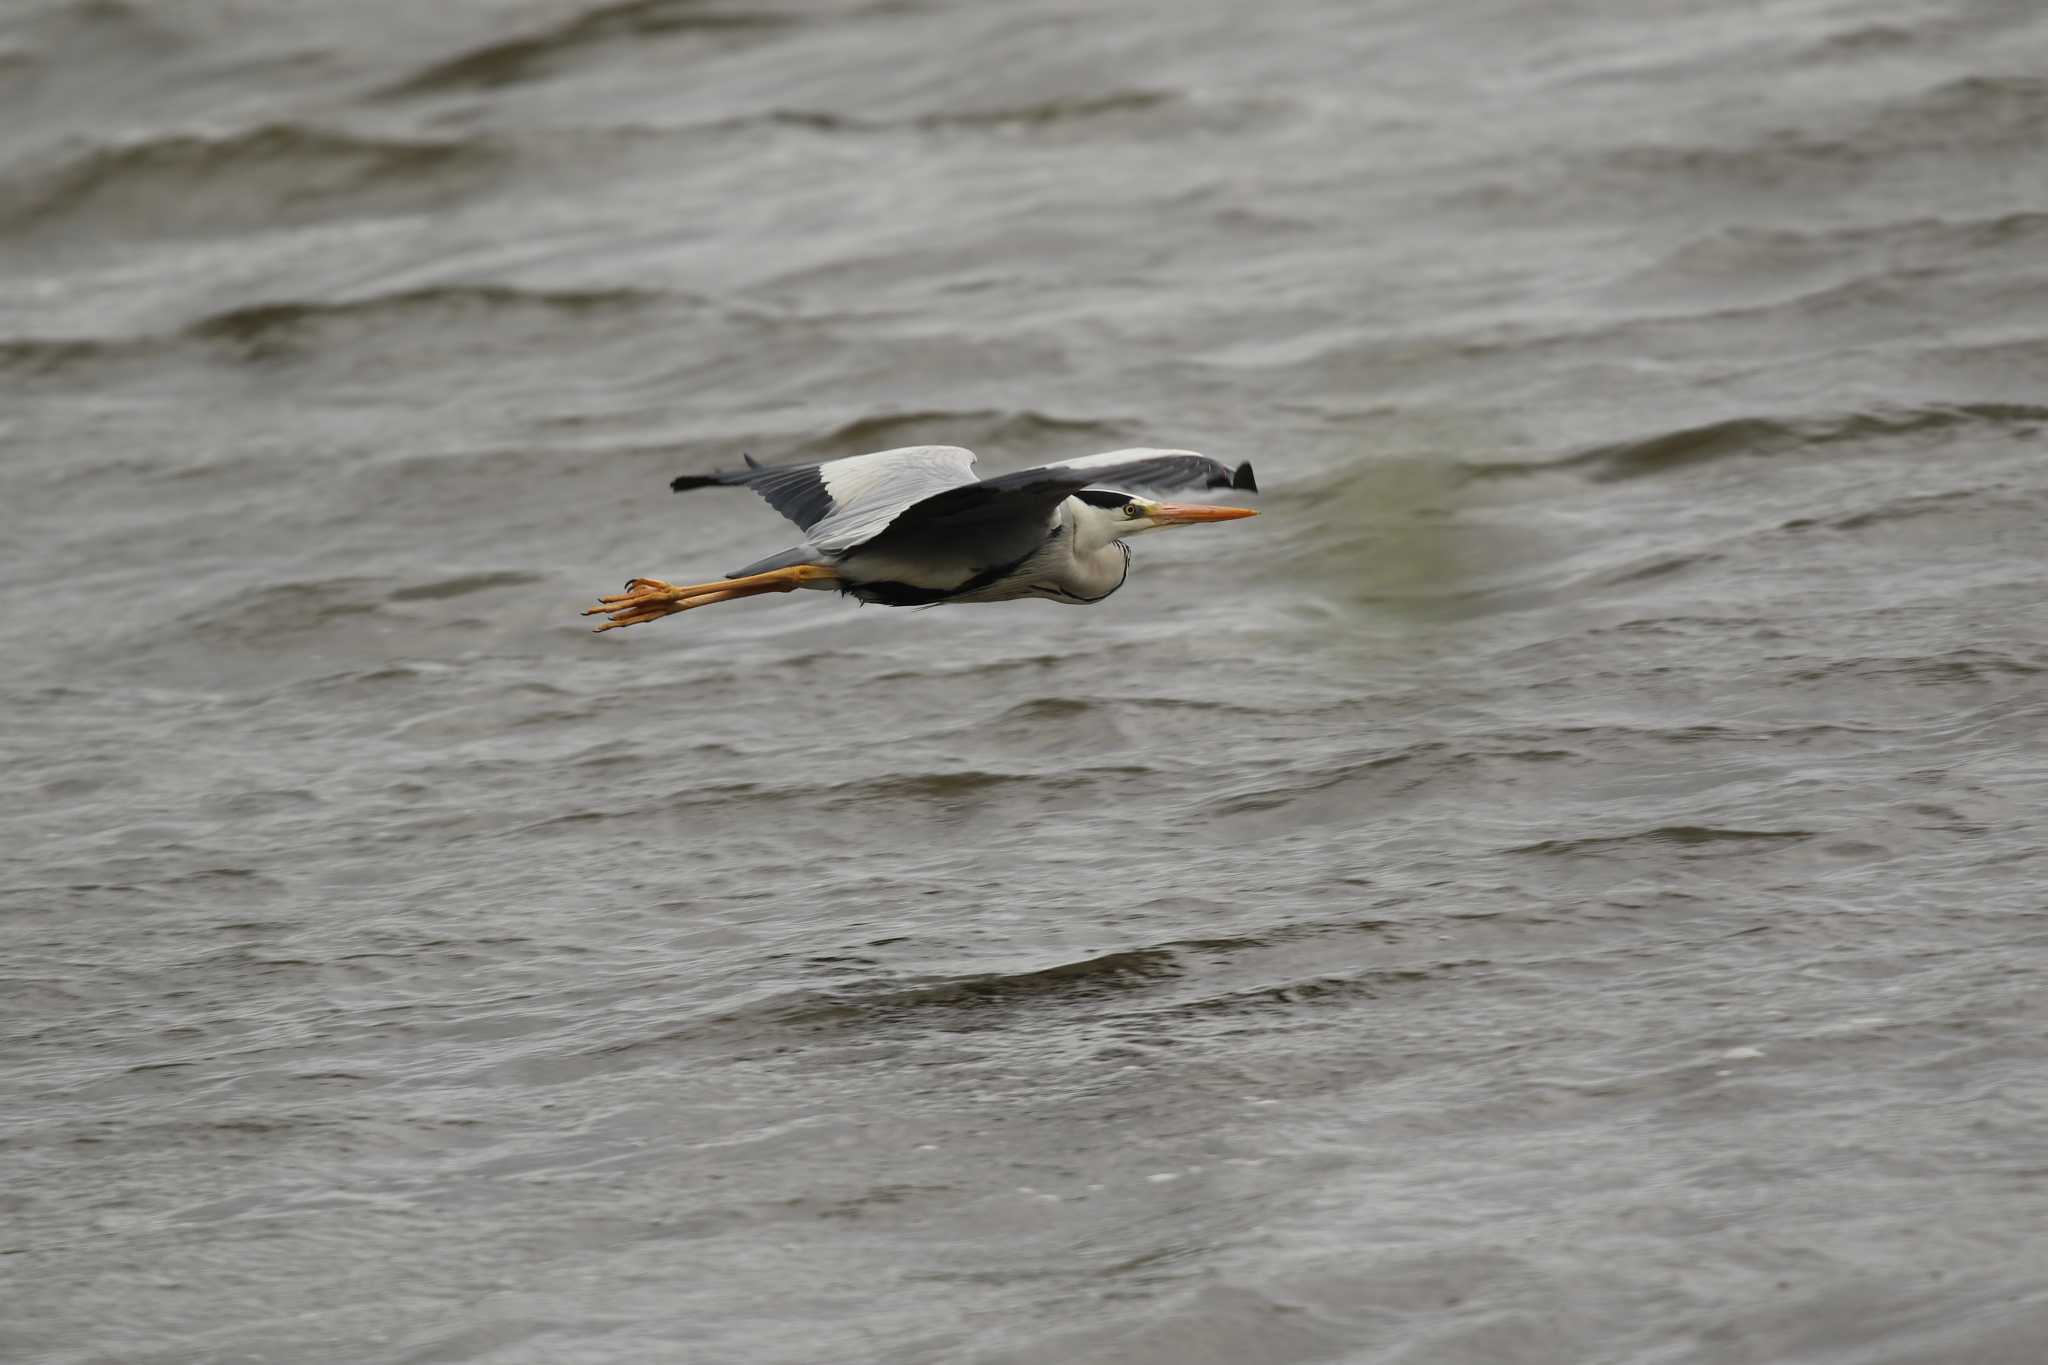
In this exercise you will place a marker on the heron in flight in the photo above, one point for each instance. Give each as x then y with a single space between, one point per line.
913 527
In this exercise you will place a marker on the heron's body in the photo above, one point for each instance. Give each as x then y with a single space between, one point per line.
913 527
1074 561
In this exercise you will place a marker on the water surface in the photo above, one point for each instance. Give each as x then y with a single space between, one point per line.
1562 885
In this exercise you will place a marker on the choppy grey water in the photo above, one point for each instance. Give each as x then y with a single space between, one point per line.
1563 885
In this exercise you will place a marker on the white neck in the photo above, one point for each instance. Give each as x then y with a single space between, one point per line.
1096 560
1092 527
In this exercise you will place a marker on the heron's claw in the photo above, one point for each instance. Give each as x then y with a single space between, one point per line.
635 588
645 599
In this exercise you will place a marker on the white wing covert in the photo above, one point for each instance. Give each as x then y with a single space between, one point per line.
840 503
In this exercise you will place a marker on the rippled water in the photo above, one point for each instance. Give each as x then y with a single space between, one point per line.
1563 885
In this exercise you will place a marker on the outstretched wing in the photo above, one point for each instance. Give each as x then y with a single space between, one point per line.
1130 471
842 502
1026 498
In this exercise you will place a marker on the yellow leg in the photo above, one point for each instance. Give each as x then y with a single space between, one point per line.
650 599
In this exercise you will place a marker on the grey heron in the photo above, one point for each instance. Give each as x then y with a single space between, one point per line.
914 527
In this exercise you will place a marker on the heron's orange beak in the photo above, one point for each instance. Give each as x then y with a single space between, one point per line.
1189 513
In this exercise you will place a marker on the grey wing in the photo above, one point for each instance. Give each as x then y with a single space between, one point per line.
1022 502
842 502
1132 470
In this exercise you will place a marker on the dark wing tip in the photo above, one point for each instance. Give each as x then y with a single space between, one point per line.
1242 478
719 479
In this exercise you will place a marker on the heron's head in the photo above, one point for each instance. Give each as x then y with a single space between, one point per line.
1117 516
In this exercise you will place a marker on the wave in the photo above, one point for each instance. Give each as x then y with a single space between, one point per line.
1317 991
2025 358
861 807
41 357
264 616
1094 976
1898 509
1979 115
1857 41
262 322
1665 452
278 608
950 789
264 330
1703 837
1758 264
1302 787
1136 113
1040 114
974 1000
1972 140
464 584
1977 112
277 173
1977 667
1047 711
533 56
1654 566
1146 984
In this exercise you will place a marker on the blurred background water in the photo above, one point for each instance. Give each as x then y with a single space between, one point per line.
1563 885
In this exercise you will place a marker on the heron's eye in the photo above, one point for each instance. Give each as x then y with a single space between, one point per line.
1132 511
